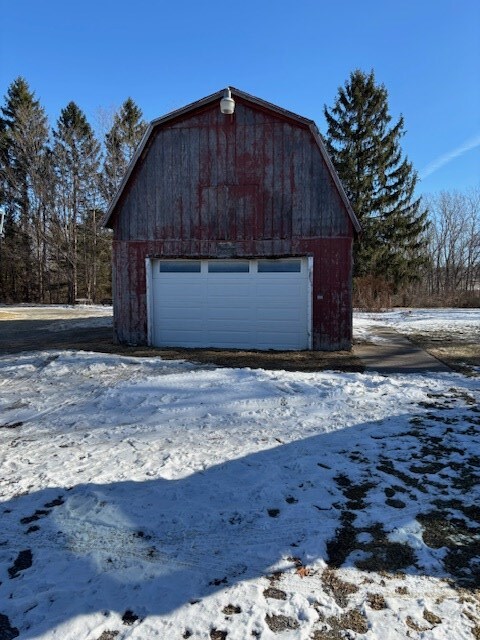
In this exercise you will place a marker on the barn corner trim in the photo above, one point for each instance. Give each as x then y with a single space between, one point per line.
178 113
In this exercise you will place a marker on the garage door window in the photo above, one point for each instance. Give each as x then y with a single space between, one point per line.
277 266
180 266
228 266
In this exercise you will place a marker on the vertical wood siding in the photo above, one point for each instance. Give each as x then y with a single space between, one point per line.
178 190
252 184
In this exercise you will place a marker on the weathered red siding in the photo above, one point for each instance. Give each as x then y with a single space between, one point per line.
252 184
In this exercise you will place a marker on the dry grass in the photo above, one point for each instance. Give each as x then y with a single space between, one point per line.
10 315
461 353
283 360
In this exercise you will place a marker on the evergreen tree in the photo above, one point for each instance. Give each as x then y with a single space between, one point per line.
379 182
24 192
11 273
77 158
120 144
3 151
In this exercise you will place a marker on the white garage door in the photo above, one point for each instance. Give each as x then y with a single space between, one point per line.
243 304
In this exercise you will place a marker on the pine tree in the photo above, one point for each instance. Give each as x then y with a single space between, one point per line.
120 145
24 168
379 181
77 157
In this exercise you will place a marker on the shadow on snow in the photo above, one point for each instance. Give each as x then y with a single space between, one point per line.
153 546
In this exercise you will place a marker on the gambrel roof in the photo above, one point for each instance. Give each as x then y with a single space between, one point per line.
178 114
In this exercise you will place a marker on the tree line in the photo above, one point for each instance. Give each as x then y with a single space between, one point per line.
412 251
56 183
453 273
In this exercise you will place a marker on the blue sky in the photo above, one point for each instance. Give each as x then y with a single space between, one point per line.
295 54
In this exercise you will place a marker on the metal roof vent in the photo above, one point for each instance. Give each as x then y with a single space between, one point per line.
227 103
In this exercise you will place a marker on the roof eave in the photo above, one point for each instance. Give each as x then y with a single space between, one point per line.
333 172
138 152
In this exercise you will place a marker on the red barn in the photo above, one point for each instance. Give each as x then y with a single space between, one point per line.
232 230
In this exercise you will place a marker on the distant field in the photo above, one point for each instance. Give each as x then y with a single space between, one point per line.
53 312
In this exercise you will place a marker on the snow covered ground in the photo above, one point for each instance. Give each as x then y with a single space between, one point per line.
144 499
454 322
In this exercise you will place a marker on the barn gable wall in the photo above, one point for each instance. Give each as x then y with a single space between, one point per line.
210 177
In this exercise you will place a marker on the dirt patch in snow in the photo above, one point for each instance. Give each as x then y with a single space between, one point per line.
438 466
279 623
336 627
109 635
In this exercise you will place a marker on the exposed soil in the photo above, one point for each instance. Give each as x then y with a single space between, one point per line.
337 626
276 594
279 623
109 635
38 328
338 589
451 521
129 618
231 610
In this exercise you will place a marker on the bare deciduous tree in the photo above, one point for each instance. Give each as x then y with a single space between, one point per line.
454 244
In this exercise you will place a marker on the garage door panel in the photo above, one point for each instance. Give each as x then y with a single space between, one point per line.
272 314
277 326
281 299
172 301
212 308
216 324
269 341
170 291
171 336
228 336
243 290
270 300
240 299
192 323
230 312
179 312
281 290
